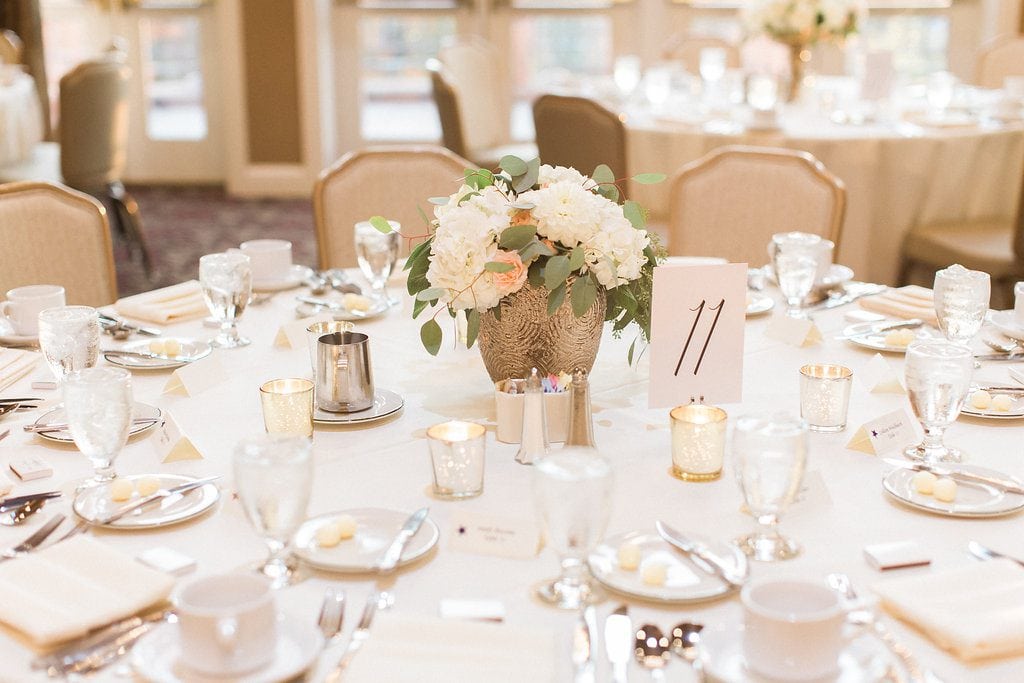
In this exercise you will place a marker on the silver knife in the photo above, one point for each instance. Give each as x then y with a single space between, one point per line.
697 551
618 642
1012 357
393 554
886 327
64 426
359 637
100 647
33 541
1007 485
17 501
986 553
583 633
154 497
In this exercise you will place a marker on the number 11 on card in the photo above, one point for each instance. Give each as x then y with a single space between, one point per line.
707 339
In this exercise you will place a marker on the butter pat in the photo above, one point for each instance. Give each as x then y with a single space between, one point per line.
121 490
1002 403
629 557
147 486
899 338
981 400
654 573
327 536
346 526
356 302
924 482
945 490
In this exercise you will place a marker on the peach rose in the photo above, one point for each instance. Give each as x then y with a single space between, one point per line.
510 281
522 217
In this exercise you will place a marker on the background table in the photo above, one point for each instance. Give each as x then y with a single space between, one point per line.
386 465
21 124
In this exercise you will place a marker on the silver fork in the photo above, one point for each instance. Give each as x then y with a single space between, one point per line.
332 614
359 636
33 541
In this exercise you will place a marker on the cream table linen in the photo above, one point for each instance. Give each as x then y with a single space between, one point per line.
174 304
15 364
21 123
387 465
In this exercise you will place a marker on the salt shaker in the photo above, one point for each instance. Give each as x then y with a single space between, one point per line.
581 428
534 442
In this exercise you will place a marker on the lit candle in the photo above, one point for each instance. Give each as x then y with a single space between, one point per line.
698 442
825 396
288 406
457 455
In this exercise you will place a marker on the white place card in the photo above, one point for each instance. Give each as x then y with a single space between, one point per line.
697 334
793 331
498 535
887 433
31 467
880 377
896 555
171 444
196 377
293 335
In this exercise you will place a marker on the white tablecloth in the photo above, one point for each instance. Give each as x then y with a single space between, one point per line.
21 124
387 465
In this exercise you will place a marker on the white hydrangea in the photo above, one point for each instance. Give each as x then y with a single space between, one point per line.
562 174
565 212
615 253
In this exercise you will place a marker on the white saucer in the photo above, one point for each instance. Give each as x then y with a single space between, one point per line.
296 274
759 303
59 415
191 350
375 530
1006 322
94 503
868 336
157 656
973 499
385 403
8 338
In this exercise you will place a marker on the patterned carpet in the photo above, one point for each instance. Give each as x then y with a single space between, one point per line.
183 223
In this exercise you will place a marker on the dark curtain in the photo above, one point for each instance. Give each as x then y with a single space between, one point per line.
22 17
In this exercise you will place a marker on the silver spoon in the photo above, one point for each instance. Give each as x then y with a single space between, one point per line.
686 644
22 512
651 650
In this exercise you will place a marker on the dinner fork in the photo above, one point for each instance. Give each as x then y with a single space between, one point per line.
33 541
332 614
359 637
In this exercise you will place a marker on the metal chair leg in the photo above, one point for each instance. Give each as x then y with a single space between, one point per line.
129 223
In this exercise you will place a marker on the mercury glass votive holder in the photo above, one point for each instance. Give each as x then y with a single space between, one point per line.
825 396
288 406
457 455
698 442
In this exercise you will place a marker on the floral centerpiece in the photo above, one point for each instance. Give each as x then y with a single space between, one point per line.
802 23
531 233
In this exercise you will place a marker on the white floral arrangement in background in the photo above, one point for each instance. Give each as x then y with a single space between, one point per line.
804 22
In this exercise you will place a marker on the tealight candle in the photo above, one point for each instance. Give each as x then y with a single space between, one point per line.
288 406
825 396
698 442
457 455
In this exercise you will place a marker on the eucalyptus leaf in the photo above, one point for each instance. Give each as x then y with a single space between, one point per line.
381 224
423 215
512 165
466 197
555 299
430 294
634 213
556 270
472 327
535 275
576 257
418 253
584 293
498 267
533 250
517 237
417 280
479 178
430 335
629 356
418 307
602 175
529 179
440 201
496 312
523 206
649 178
609 192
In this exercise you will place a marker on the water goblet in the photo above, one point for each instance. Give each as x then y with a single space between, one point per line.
795 258
572 490
98 403
226 280
770 457
961 302
274 479
377 254
69 337
938 376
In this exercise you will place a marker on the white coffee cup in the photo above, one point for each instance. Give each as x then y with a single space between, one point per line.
793 629
24 304
227 624
271 259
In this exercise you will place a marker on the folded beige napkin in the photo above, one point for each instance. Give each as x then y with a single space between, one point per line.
65 590
15 364
906 302
407 649
172 304
975 612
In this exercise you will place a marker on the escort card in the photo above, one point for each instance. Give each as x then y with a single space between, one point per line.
171 444
880 377
697 322
293 335
793 331
889 432
501 536
196 377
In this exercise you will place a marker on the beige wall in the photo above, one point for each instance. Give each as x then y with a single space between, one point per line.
273 109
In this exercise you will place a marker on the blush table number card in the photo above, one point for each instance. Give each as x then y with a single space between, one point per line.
697 322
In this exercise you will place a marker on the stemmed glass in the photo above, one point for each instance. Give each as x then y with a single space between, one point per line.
226 280
69 337
771 455
274 479
98 403
938 375
961 302
377 254
572 490
795 260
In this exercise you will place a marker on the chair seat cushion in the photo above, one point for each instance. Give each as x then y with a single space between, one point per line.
488 157
43 164
980 245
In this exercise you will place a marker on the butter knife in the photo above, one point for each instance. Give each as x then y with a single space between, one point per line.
63 426
153 498
618 642
17 501
913 323
1007 485
583 632
1011 357
393 554
699 553
87 653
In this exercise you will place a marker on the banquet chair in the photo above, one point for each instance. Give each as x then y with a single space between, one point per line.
393 182
994 246
55 235
732 200
577 132
998 59
93 138
11 47
484 147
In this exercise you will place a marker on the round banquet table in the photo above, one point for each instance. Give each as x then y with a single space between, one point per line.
898 174
386 465
21 123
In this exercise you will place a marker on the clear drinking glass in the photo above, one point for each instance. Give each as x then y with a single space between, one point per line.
940 90
274 479
938 375
377 254
572 489
795 260
69 337
961 301
227 287
771 455
98 403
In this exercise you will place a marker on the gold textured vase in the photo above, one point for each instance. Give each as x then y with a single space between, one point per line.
527 337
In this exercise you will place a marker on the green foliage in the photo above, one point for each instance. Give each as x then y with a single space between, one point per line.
584 293
498 267
472 327
555 271
517 237
381 224
513 165
556 298
479 178
430 335
649 178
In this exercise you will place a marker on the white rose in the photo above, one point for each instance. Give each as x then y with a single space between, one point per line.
565 212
